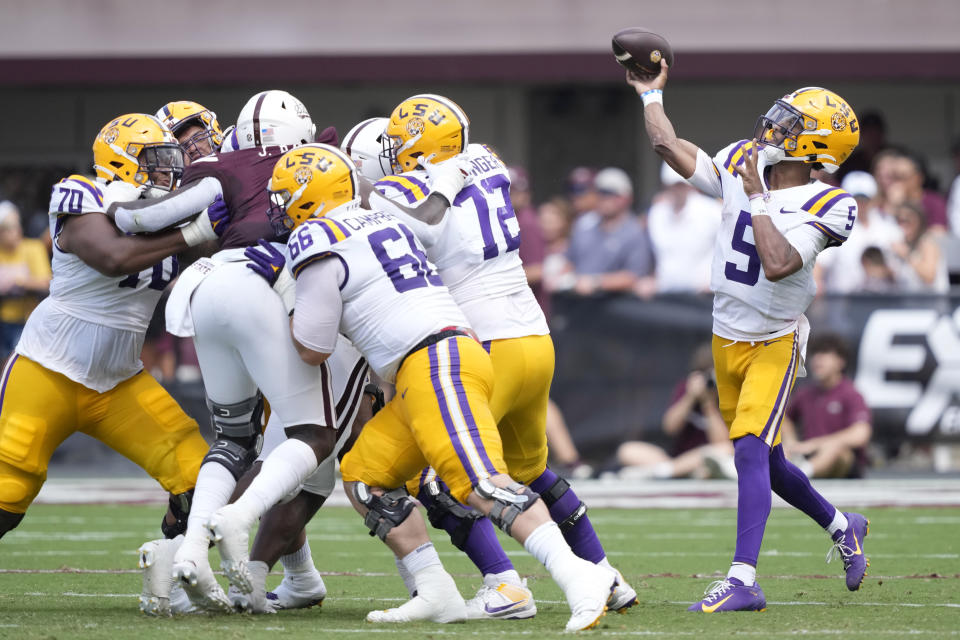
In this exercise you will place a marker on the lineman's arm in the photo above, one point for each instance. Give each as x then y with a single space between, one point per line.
93 239
175 207
315 323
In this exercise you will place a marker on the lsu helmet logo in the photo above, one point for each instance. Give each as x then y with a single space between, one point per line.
655 56
303 175
414 127
838 122
111 135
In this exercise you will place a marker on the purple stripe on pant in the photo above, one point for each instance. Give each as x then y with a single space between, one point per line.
465 406
445 413
774 418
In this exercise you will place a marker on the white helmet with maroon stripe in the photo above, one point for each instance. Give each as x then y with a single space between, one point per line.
274 118
364 145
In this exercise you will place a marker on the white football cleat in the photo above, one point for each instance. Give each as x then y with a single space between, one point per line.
437 600
505 601
156 560
299 590
588 594
230 531
256 601
196 577
623 597
180 603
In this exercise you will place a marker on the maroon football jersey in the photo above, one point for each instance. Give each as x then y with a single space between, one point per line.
243 176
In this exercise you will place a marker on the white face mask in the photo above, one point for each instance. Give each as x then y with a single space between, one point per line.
769 155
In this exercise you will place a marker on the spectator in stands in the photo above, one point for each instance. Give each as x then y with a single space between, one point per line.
683 226
564 457
921 266
556 219
610 252
580 190
912 186
531 239
840 270
24 276
878 277
873 140
832 416
701 441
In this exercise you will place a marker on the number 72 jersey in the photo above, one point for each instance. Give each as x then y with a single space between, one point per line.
475 247
812 217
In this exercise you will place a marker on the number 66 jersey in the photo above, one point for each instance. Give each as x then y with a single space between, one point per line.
812 217
392 295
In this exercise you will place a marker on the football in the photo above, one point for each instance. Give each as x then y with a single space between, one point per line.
640 50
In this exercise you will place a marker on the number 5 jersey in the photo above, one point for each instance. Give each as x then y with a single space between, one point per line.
812 217
91 327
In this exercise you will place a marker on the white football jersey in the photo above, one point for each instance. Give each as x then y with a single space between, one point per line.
812 217
91 327
392 295
476 247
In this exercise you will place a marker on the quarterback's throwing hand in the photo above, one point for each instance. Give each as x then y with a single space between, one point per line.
645 83
751 176
267 261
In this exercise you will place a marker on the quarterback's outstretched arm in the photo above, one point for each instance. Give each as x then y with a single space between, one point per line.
680 154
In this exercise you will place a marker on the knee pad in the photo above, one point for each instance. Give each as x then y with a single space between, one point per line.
375 392
234 456
442 504
383 512
508 502
239 420
180 508
552 495
9 521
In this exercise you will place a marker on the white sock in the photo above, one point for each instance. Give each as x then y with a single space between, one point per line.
408 580
420 558
282 472
547 545
744 573
839 523
510 576
214 487
299 561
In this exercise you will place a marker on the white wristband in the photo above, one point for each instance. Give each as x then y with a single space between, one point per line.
198 231
758 207
651 96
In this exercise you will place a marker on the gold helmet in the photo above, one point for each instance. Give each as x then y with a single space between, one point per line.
137 148
179 115
424 125
811 125
309 181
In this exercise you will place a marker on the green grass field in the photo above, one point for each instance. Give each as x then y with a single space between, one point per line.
70 572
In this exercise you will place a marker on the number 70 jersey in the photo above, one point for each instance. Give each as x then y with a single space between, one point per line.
812 217
392 295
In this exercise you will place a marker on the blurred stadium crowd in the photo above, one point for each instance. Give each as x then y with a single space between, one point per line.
907 240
